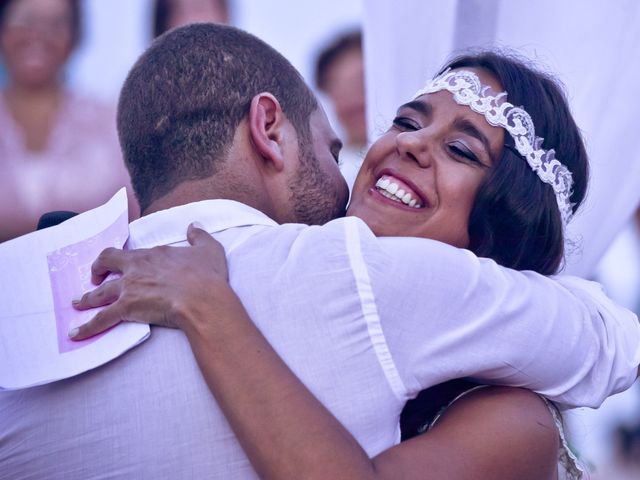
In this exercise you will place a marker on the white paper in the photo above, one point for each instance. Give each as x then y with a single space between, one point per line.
40 274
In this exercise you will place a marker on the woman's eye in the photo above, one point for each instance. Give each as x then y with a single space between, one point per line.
463 152
405 124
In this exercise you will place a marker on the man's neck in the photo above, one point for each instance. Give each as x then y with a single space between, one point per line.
206 189
187 192
237 180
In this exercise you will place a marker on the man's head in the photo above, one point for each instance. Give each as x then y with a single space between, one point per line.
211 104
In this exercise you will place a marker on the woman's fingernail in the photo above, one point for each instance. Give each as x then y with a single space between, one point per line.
197 224
76 301
74 332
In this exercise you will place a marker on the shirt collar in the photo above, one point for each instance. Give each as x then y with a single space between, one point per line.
170 226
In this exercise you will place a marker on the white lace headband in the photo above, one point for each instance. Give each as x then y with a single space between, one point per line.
468 90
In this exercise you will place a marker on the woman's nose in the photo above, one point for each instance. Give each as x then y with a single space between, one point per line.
414 146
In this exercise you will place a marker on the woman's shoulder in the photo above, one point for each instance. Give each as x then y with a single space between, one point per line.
511 430
487 432
503 406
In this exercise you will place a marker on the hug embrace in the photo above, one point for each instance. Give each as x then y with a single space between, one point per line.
315 324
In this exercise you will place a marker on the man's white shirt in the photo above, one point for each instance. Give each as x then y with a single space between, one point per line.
365 323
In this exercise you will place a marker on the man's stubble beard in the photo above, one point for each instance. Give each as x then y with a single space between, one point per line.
315 198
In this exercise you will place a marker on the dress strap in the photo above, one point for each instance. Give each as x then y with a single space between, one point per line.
573 467
444 409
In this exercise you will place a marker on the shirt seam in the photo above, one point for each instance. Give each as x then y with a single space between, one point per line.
370 311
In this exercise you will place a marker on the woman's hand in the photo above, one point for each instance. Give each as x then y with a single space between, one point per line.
167 286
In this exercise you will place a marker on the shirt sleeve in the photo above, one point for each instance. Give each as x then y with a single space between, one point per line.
437 313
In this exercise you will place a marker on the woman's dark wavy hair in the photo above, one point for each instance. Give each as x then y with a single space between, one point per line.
76 18
515 219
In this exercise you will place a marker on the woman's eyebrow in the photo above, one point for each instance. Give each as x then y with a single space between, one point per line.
422 108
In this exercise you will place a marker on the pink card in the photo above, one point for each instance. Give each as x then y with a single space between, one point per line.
70 275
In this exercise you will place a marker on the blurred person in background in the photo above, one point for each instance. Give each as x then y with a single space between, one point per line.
609 438
58 151
625 462
168 14
340 75
629 447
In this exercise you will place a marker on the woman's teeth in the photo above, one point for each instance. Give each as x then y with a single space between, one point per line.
390 189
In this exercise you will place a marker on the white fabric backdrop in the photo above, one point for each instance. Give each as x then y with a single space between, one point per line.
591 45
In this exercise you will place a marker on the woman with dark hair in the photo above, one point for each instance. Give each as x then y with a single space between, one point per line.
58 151
339 74
168 14
497 173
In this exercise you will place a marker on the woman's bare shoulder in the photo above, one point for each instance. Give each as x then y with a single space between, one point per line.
490 433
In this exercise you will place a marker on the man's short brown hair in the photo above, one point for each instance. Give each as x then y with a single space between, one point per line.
184 98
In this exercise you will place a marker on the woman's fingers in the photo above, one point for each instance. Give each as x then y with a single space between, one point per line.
125 302
102 321
105 294
198 237
110 260
161 285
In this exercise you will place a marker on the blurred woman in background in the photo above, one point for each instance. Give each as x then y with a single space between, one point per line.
58 151
340 76
168 14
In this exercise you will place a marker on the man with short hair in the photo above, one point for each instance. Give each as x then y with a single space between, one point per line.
187 113
217 127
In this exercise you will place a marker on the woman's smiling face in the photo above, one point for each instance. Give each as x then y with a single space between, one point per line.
36 40
421 177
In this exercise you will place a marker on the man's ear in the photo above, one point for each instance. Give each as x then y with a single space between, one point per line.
266 127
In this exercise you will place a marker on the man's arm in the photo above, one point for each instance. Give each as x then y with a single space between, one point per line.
443 313
439 313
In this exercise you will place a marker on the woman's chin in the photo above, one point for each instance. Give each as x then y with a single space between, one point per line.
375 224
36 78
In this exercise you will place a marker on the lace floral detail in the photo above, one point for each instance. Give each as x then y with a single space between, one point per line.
468 90
573 467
